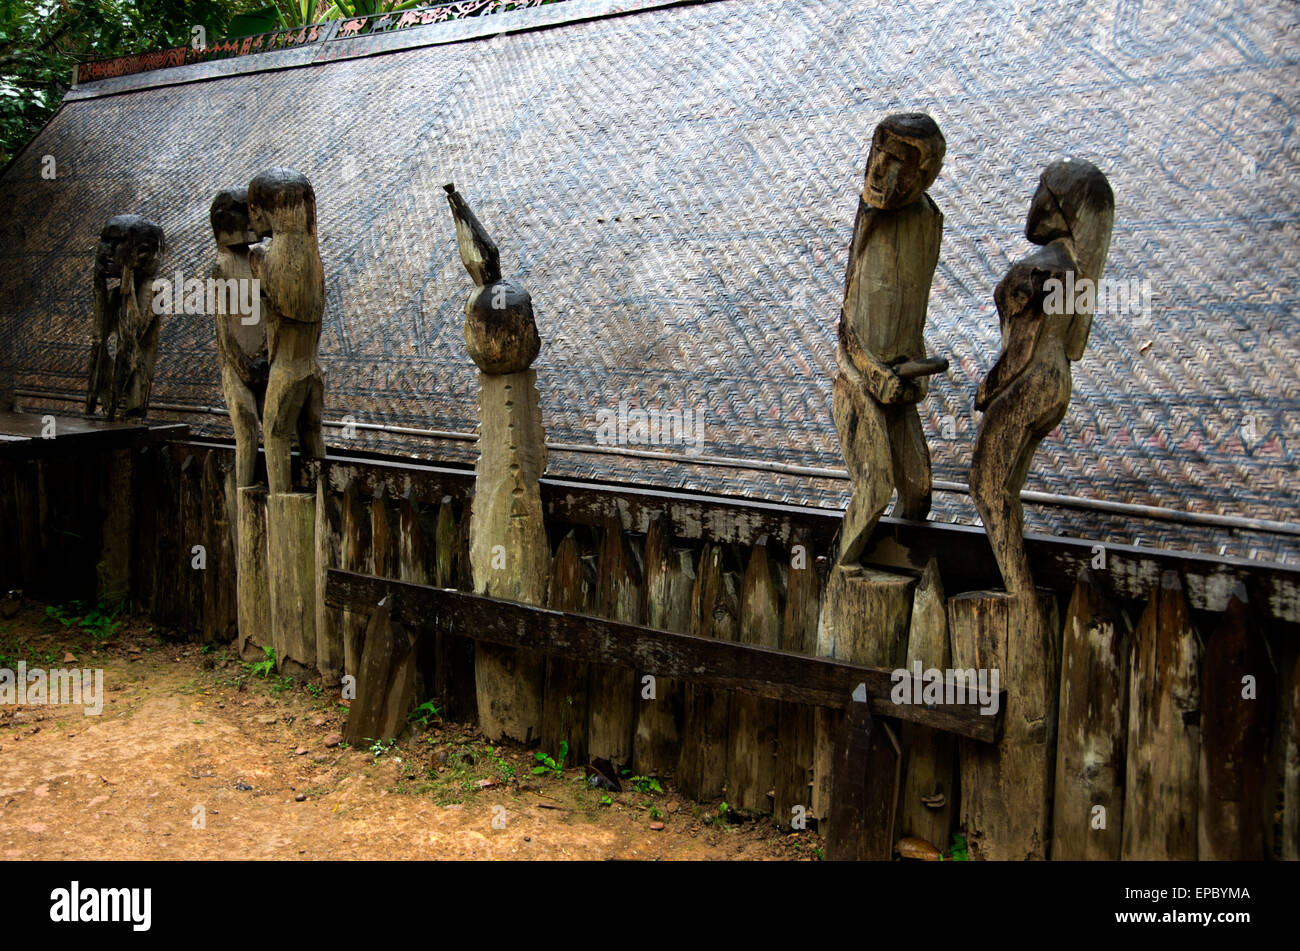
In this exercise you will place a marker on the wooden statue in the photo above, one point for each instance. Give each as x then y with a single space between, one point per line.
241 337
282 209
509 550
129 252
882 358
1026 393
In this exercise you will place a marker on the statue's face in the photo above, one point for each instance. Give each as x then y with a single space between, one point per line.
1046 222
110 253
899 170
230 223
259 221
146 247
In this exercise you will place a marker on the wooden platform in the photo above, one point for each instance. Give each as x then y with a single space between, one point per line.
35 435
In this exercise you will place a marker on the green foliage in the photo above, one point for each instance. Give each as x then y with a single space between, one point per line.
958 852
550 765
264 668
423 714
646 784
101 622
41 41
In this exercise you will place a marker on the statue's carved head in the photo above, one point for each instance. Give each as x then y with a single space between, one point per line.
146 247
500 330
111 251
229 217
128 239
282 200
1074 200
906 154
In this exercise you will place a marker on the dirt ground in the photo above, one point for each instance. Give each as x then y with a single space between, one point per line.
198 756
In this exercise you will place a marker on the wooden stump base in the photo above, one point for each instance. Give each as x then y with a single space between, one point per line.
1006 789
254 596
291 570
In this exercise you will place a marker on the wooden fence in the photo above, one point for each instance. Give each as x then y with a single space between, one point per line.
1174 732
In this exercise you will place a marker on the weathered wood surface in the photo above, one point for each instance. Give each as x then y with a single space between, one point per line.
194 546
282 212
702 766
1290 762
760 671
254 599
1027 391
1088 804
454 664
751 758
1237 708
1006 789
116 495
386 682
40 435
130 251
329 622
291 572
848 808
928 801
669 584
620 596
509 550
220 619
963 552
1164 742
864 620
354 555
796 730
565 699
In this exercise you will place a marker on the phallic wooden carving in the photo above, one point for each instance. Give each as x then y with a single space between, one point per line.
241 334
882 358
509 550
1026 393
127 257
287 264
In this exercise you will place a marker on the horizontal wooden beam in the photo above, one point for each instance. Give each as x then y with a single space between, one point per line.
764 672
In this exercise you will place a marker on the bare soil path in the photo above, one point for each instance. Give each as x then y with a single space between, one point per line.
196 756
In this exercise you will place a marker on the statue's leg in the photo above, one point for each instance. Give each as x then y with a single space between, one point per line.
242 405
310 441
283 401
864 438
1012 429
911 461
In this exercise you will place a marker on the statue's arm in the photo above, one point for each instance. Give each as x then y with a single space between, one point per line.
1020 304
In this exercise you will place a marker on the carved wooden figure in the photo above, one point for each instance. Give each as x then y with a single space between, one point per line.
241 334
129 252
1027 392
509 551
882 358
282 208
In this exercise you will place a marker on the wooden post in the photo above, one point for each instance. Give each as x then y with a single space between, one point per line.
701 771
613 692
291 570
1237 704
1290 734
116 496
669 582
354 555
329 623
796 730
1006 789
254 602
929 793
220 619
1164 736
751 764
386 682
865 780
454 666
865 618
564 701
1088 806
